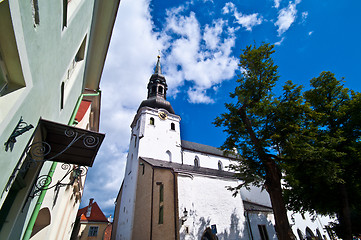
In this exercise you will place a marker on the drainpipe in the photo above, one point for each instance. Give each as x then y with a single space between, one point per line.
35 214
175 205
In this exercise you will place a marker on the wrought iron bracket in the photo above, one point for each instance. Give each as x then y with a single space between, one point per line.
20 128
44 182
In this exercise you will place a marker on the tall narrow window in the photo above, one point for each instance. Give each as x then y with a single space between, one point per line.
160 90
172 126
300 234
220 165
151 121
161 203
263 232
169 155
35 8
196 161
62 95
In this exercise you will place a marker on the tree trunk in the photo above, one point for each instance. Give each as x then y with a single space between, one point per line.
273 183
345 215
274 188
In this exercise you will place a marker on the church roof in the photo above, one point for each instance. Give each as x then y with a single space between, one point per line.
197 147
255 207
157 103
179 168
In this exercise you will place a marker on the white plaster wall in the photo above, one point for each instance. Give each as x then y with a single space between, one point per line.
156 140
151 141
208 202
205 160
127 202
266 219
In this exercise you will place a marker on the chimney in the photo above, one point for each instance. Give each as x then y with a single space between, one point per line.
89 210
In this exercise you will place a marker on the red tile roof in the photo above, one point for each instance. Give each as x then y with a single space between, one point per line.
96 214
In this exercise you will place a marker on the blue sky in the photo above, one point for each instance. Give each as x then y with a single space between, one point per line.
200 42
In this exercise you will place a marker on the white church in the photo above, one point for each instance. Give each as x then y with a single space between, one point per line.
176 189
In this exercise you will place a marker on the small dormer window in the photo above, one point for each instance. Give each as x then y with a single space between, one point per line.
151 121
172 126
196 161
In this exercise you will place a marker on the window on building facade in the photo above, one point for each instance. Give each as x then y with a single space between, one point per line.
300 234
169 155
3 76
263 232
93 231
73 69
160 90
196 161
161 203
69 8
172 126
35 10
220 165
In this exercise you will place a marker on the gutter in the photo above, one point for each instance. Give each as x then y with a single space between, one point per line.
35 213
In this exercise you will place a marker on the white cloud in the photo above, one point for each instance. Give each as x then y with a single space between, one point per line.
199 96
304 16
310 33
277 3
194 53
246 21
229 7
197 54
286 16
130 60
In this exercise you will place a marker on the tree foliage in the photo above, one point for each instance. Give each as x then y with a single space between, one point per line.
325 159
258 125
312 137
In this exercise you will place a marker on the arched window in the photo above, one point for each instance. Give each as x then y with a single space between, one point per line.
169 155
220 165
319 234
196 161
160 89
43 220
172 126
309 233
151 121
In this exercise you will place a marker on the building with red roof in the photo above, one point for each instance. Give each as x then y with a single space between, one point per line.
91 223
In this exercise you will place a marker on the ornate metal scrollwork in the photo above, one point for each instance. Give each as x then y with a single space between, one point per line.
40 152
20 128
44 181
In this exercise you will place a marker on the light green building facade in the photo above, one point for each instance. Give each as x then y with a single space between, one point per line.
51 54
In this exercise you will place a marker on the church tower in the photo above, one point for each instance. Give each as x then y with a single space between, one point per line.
155 134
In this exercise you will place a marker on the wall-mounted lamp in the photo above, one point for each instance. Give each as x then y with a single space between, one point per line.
185 216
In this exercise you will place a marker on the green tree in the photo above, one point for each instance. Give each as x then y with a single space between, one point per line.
260 125
324 162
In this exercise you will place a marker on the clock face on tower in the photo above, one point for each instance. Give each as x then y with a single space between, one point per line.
162 115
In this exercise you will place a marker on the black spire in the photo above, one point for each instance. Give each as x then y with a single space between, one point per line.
157 91
157 85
